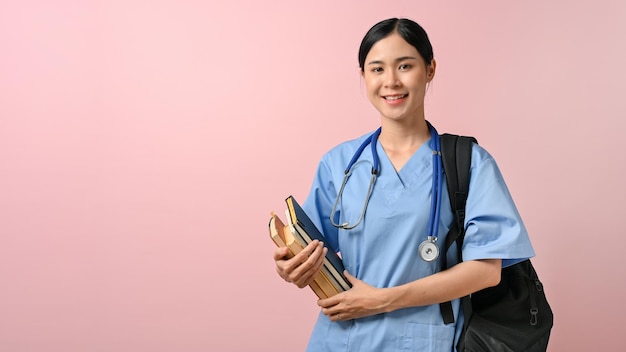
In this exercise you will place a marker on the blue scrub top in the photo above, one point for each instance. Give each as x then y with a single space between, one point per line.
383 250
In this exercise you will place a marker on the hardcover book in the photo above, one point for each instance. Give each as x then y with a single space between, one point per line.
297 234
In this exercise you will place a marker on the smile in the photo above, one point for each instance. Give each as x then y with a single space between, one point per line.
395 97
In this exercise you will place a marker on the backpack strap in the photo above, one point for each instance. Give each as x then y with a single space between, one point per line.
456 155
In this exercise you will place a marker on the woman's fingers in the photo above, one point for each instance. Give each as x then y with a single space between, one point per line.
303 266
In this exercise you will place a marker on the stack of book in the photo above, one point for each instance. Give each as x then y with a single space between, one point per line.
297 234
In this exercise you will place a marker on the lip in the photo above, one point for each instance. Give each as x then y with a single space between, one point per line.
394 99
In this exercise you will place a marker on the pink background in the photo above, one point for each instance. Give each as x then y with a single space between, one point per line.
143 145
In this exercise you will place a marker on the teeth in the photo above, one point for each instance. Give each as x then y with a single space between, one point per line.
395 97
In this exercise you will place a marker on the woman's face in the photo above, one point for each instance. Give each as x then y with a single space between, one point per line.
395 78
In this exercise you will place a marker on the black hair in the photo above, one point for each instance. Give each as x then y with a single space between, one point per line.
409 30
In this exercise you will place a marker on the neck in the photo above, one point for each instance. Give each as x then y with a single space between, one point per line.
403 137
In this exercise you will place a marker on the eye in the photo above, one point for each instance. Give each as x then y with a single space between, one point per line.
404 67
377 69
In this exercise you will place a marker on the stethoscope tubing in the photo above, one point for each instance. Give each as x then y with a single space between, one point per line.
433 226
371 140
437 183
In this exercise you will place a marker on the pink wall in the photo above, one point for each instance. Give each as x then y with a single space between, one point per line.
144 143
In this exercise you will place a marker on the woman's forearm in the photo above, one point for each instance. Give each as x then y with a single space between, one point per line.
460 280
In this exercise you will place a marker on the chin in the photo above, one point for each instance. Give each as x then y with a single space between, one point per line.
394 116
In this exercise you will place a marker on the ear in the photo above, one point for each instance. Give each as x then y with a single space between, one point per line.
430 74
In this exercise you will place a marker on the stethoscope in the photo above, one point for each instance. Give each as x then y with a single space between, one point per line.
428 249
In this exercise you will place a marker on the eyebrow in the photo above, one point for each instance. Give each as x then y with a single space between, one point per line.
401 58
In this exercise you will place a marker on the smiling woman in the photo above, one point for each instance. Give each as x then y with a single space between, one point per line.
393 304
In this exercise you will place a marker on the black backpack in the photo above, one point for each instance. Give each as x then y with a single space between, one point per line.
513 316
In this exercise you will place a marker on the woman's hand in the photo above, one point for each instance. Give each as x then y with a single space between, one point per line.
300 269
360 301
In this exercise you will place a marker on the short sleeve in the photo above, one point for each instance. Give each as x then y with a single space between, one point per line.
494 227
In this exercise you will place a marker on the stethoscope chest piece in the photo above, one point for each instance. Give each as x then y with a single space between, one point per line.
428 249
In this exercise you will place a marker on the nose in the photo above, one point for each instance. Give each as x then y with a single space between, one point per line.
391 79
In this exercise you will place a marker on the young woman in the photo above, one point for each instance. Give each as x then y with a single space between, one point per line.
379 224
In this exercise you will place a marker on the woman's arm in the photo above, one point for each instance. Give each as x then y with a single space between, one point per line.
364 300
460 280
